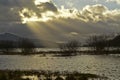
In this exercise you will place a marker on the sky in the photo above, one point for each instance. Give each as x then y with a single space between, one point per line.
59 20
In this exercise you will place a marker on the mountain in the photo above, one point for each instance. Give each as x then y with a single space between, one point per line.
9 37
16 38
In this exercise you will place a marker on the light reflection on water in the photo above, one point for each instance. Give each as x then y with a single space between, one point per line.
96 64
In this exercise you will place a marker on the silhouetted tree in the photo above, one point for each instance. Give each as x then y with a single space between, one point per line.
26 46
6 46
69 48
98 43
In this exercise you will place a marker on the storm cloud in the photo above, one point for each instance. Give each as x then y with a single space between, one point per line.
57 24
15 10
10 9
47 6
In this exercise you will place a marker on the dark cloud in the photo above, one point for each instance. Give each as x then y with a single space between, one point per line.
9 14
17 3
47 6
9 9
4 2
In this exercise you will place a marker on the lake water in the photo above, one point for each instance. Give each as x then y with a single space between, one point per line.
96 64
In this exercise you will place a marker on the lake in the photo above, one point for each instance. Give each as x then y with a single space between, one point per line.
107 65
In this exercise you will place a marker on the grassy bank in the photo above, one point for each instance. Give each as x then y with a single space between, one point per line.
46 75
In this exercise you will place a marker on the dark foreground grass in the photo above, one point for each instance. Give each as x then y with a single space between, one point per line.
47 75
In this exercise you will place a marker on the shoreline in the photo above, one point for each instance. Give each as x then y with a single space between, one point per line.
18 74
59 53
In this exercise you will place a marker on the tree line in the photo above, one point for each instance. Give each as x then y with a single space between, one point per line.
104 44
97 44
25 46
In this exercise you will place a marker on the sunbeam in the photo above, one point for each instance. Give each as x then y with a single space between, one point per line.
42 32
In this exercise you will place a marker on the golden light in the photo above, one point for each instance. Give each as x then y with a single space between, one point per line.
42 24
30 16
35 19
42 31
32 19
37 2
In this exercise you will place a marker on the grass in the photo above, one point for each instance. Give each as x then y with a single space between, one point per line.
48 75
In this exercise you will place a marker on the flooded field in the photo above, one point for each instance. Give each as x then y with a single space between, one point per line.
96 64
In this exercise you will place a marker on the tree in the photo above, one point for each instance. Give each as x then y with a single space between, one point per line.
69 48
98 43
26 46
6 46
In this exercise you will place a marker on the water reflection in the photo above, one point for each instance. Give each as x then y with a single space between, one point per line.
100 65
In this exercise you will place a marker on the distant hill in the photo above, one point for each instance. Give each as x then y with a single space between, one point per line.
15 38
9 37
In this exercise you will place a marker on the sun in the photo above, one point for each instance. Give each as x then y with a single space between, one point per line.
37 2
35 19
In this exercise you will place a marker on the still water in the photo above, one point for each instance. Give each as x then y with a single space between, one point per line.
96 64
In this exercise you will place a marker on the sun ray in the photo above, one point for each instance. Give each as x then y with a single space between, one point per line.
42 32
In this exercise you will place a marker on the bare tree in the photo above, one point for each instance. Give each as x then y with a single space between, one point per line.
98 43
69 48
26 46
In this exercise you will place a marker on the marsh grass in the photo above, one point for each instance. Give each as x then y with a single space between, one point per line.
48 75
